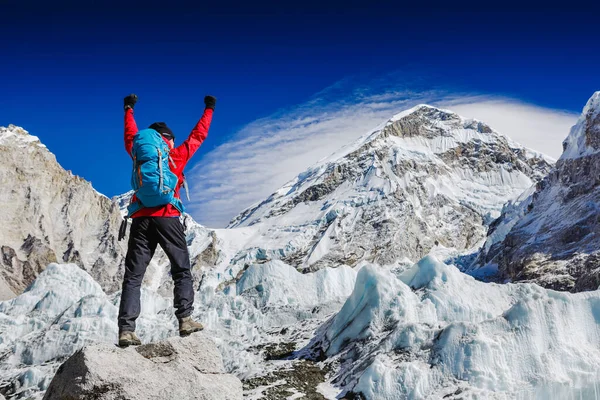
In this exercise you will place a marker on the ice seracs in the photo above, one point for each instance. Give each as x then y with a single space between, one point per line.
433 332
62 311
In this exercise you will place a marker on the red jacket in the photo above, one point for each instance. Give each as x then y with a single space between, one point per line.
180 155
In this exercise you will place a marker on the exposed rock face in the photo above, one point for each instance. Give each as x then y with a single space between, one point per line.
49 214
178 368
427 177
552 236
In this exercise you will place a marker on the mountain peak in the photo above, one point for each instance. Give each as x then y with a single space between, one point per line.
51 215
13 134
402 188
584 138
423 109
549 235
425 129
430 122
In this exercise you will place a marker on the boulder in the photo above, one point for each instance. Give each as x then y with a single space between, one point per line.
188 368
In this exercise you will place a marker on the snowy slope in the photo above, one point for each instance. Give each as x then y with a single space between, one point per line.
552 234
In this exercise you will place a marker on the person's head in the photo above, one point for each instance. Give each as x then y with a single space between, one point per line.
165 131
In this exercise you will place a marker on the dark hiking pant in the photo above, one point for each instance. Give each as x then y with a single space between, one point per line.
145 234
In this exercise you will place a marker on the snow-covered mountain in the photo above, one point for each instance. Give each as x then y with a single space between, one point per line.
50 215
551 234
426 178
317 292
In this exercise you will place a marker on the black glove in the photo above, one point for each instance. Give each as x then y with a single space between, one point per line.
129 101
210 102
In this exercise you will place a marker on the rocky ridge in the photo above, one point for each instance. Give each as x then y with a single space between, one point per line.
551 234
50 215
177 368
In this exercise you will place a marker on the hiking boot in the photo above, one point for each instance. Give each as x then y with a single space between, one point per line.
128 339
187 325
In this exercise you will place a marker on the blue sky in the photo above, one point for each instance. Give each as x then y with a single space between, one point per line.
66 67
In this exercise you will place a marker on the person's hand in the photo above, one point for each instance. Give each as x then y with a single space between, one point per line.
210 102
129 101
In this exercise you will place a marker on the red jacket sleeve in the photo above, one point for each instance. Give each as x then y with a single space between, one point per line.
130 130
182 153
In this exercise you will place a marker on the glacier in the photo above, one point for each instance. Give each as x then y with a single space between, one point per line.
65 309
433 331
427 331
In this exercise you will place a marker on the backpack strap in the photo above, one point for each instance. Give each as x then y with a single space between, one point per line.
134 207
178 205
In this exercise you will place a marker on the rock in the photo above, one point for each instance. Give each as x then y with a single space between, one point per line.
551 236
177 368
51 215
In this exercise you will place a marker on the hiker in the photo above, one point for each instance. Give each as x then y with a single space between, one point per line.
155 209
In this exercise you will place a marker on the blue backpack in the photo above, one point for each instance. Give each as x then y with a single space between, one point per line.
152 180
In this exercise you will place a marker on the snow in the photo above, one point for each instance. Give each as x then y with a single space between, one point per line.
278 284
328 391
16 135
431 330
576 143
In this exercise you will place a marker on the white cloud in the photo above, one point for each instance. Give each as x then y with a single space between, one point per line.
538 128
269 152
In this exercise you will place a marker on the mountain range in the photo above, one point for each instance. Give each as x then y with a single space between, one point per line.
353 279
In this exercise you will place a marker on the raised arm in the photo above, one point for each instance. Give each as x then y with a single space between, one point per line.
186 150
130 125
